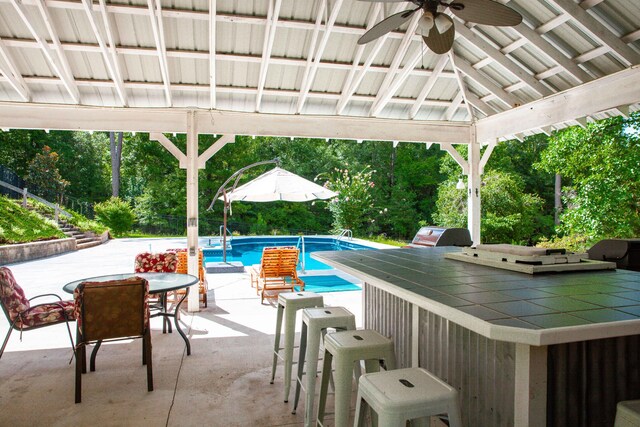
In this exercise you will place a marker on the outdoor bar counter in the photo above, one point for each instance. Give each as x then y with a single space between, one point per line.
554 349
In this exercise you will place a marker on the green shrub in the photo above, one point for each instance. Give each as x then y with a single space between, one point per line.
116 214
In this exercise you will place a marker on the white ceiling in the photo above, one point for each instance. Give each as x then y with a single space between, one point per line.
301 57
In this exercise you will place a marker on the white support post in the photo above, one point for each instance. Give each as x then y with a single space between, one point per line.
192 208
473 191
25 193
530 403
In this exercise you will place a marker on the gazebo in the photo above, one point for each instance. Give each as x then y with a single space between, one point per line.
294 69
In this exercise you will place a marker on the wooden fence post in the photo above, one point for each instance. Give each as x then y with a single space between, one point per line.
24 197
57 215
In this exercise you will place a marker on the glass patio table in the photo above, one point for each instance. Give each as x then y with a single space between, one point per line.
159 284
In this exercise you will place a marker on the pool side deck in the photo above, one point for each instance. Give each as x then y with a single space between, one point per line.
224 382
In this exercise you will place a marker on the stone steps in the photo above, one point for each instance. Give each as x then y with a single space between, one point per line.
83 240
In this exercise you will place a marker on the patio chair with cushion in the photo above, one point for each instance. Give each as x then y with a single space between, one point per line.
23 316
183 268
163 262
277 272
111 311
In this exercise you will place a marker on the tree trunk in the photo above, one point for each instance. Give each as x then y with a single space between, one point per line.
557 199
116 160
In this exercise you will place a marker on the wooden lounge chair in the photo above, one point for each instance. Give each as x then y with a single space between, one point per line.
183 267
276 272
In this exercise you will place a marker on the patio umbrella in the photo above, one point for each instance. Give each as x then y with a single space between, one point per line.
279 184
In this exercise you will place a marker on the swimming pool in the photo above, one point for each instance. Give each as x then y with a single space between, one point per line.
248 250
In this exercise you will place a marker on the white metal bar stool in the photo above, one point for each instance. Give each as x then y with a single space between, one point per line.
406 394
348 347
315 322
628 414
288 305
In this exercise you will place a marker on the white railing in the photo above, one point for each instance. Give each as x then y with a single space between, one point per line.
346 233
229 234
25 194
300 245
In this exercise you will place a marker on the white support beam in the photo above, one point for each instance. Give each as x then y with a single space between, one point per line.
220 56
10 71
67 117
52 81
431 81
385 88
53 34
457 157
597 30
318 54
193 303
155 16
322 7
465 68
622 110
486 155
374 13
506 63
58 69
606 93
346 95
118 80
461 85
269 36
88 8
455 104
212 53
214 148
474 182
479 104
381 102
170 147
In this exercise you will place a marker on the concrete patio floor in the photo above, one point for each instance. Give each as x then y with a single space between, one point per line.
225 381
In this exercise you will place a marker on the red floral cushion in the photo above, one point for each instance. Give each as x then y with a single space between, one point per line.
147 262
46 314
17 305
11 294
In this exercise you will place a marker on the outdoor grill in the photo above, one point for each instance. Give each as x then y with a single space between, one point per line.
436 236
624 252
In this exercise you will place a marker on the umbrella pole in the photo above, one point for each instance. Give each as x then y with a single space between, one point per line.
224 225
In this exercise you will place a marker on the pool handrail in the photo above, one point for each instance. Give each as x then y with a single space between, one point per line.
301 240
345 233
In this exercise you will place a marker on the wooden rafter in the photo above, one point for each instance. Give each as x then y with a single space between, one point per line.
381 102
155 15
220 56
114 54
269 37
106 56
322 7
500 58
58 69
463 93
212 53
13 76
318 54
598 31
384 89
465 68
431 81
347 94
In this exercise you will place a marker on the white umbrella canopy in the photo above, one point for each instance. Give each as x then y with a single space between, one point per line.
279 184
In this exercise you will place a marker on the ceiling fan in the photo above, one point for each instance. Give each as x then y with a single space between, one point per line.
437 27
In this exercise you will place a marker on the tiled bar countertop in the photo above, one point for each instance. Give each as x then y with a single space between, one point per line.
544 350
539 309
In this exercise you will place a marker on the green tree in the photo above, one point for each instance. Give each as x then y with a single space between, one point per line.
116 214
44 175
600 167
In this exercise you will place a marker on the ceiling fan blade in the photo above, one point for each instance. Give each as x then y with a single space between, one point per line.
487 12
440 43
388 24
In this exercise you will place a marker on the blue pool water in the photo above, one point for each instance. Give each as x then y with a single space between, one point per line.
248 250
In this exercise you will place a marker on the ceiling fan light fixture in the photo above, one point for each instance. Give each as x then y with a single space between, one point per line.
426 22
443 22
